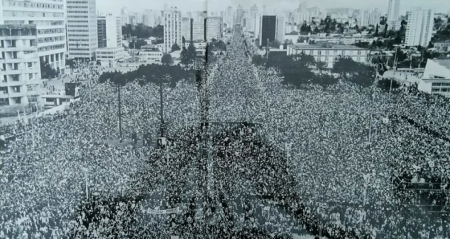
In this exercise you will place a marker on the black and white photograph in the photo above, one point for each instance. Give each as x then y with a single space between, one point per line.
224 119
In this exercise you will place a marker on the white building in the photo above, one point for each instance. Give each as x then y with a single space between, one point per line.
50 24
419 27
229 16
436 78
110 49
151 56
109 31
393 10
82 29
20 68
172 28
281 24
214 27
124 16
302 16
149 18
198 31
186 28
328 52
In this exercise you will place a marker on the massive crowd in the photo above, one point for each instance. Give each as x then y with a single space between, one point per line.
324 161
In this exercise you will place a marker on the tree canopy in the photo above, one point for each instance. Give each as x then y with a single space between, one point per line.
137 44
167 59
147 74
143 31
354 72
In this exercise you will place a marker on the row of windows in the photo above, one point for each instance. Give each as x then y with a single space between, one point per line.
440 84
51 31
77 30
32 14
327 52
15 3
50 39
55 47
77 12
440 89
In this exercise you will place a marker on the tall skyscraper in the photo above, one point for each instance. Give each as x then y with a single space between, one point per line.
198 30
239 15
268 32
419 27
393 10
82 29
230 18
214 27
186 29
48 16
172 28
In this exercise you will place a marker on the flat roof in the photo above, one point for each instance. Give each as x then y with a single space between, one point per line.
151 50
58 96
327 47
443 62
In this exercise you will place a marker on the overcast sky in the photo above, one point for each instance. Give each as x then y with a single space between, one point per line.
114 6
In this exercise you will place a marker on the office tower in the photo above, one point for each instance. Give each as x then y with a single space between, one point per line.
268 30
82 29
125 17
50 24
149 18
214 27
110 49
229 17
20 71
186 29
172 28
280 30
420 27
109 31
239 15
198 30
393 10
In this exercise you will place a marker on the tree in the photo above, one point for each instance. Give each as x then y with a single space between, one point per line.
385 84
192 53
430 45
137 44
70 63
184 56
385 30
175 47
183 40
47 72
376 31
355 72
167 59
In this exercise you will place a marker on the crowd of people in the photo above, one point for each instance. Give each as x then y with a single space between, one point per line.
339 162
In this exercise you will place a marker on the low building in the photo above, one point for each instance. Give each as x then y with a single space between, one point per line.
151 56
20 68
329 52
442 46
436 78
110 56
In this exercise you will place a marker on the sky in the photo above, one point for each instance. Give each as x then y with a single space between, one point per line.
114 6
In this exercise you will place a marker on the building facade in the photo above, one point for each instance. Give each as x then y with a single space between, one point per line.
48 16
172 28
20 68
436 77
329 52
109 31
419 27
268 30
186 28
214 28
442 46
82 29
198 30
393 10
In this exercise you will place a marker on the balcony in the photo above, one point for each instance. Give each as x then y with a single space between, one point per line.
4 94
16 94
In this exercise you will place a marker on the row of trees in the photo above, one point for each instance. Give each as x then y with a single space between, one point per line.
137 44
148 74
47 71
297 70
143 31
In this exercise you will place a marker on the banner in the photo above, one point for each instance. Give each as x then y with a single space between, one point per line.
161 212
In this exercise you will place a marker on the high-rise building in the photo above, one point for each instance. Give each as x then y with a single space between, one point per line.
367 17
82 29
149 18
110 49
281 25
186 28
109 31
125 17
214 27
172 28
419 27
393 10
20 71
48 16
239 15
229 18
268 32
198 30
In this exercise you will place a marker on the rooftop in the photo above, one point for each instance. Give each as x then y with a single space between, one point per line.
444 62
327 46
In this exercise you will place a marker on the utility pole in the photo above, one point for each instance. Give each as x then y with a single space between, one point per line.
120 112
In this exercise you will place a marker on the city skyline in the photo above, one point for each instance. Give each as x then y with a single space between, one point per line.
114 6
